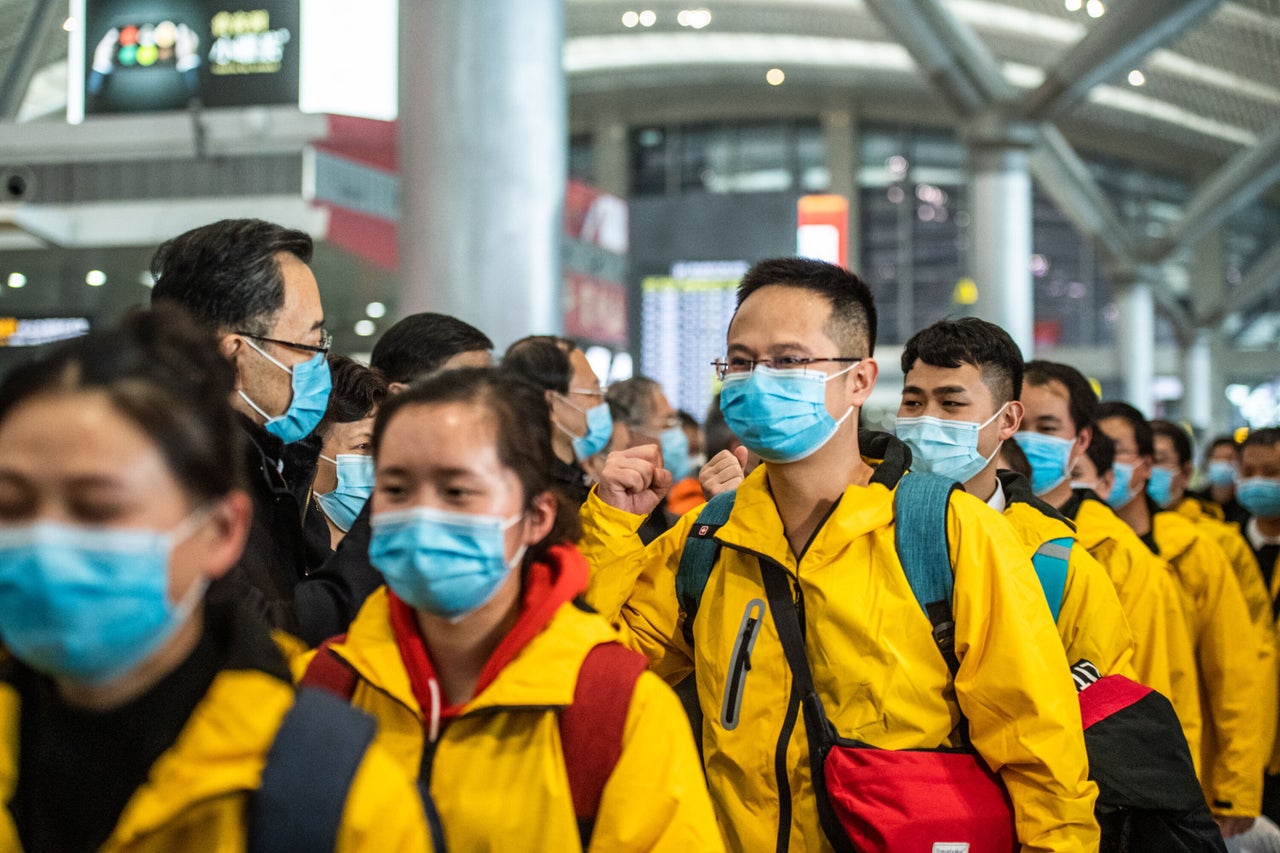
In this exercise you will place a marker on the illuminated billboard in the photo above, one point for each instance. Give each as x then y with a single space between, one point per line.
130 56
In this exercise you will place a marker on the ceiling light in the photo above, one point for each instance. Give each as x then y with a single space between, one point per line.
630 19
1137 78
376 310
1074 5
648 18
1095 8
17 279
69 24
95 278
694 18
775 76
365 328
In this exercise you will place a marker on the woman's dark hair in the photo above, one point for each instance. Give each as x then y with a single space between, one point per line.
162 372
523 423
542 360
357 391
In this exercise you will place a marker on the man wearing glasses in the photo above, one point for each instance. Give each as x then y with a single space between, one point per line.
818 517
248 282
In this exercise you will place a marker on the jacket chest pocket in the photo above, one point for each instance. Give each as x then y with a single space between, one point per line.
740 664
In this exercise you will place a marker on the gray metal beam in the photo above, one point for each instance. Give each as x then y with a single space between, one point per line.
1239 181
1262 277
1067 180
1129 33
939 59
972 54
45 15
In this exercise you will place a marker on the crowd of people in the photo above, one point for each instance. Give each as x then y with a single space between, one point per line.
256 595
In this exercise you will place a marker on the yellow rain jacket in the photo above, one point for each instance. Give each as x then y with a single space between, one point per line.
1091 623
1245 565
875 664
197 796
496 763
1151 598
1231 758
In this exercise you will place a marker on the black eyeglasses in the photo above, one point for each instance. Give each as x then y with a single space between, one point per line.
724 367
326 342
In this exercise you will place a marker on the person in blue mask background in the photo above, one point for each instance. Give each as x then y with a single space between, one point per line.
581 422
961 383
344 475
247 282
137 709
651 420
476 658
1221 472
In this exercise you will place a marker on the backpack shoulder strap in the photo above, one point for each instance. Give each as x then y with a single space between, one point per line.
1050 561
699 557
308 772
330 673
920 537
591 729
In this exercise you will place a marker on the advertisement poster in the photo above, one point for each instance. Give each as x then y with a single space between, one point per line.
131 56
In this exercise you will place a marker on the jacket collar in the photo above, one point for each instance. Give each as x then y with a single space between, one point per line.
1174 534
1017 490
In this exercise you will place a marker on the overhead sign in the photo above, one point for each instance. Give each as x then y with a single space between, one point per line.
129 56
822 228
17 332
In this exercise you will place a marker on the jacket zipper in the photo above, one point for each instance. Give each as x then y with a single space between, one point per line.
731 709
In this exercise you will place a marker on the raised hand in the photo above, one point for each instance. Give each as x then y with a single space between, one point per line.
634 480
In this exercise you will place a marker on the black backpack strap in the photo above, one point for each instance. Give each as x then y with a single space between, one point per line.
699 557
308 773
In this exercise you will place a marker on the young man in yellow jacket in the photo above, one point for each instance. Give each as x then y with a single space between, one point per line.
1057 430
798 368
962 379
1231 762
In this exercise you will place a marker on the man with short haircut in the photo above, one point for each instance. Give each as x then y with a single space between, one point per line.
424 343
962 379
1226 656
1222 470
651 420
247 282
818 517
1056 430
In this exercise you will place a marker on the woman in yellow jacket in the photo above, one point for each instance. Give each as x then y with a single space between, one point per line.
133 715
471 657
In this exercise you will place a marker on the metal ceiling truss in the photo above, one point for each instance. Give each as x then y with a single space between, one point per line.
968 77
44 19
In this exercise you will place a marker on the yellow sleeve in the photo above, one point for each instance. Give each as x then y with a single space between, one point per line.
656 798
1091 622
1184 673
384 809
1014 686
1231 754
634 586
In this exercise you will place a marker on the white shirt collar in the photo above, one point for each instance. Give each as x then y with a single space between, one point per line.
1256 537
998 501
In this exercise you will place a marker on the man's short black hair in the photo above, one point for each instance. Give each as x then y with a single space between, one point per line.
853 312
1222 441
357 391
542 360
950 343
1266 437
1082 402
1101 452
1143 437
227 275
1176 434
420 343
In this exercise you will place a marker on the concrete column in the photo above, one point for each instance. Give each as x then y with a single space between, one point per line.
1198 381
840 136
612 152
1136 342
1204 377
483 132
1000 185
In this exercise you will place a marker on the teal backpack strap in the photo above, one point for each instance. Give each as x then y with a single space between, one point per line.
699 556
920 537
1050 562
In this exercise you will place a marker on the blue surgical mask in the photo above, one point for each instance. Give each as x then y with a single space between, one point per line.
1121 490
89 604
1160 486
355 485
675 452
1221 474
445 563
1050 459
1260 496
311 384
945 447
599 430
778 414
